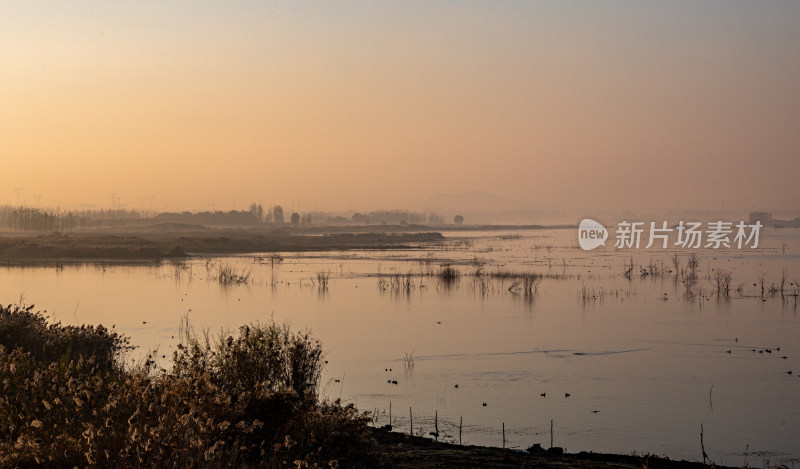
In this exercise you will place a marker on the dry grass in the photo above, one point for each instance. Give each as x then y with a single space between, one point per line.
248 400
228 275
448 274
484 280
408 361
322 279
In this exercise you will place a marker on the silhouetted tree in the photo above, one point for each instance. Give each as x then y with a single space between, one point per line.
436 219
32 219
458 219
257 211
295 218
277 214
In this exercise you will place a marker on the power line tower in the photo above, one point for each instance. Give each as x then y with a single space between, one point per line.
18 190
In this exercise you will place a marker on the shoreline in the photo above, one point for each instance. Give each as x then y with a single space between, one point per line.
415 452
58 248
154 243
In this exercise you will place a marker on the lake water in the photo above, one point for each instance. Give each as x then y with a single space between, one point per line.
644 362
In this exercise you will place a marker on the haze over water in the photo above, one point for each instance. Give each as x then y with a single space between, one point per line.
357 106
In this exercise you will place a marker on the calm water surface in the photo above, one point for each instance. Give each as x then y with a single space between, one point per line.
644 363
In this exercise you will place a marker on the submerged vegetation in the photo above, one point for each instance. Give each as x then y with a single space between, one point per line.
322 279
718 281
244 400
448 274
229 275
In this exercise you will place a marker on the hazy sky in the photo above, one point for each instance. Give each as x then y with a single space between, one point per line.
358 105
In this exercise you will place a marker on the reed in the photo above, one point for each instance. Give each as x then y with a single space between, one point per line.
242 400
408 361
448 273
228 275
322 279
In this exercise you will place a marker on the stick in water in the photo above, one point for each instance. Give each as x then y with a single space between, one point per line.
702 446
436 424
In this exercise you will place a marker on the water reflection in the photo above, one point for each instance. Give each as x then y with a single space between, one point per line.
638 337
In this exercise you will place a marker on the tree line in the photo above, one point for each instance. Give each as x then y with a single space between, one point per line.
36 219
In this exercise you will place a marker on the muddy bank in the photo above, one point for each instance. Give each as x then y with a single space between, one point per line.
403 451
157 246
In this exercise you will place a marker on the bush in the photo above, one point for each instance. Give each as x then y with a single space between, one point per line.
245 401
30 331
270 355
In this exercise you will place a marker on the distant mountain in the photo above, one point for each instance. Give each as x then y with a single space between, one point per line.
475 201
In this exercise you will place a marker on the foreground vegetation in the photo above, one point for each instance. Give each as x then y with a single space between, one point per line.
248 400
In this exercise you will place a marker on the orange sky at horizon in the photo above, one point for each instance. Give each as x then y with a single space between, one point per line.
361 105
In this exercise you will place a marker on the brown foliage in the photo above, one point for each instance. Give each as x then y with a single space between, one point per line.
246 401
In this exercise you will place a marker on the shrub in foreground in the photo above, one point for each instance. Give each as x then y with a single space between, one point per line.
21 327
244 401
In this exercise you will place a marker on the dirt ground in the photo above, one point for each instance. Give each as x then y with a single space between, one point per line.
402 451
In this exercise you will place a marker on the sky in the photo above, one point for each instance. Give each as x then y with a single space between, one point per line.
356 105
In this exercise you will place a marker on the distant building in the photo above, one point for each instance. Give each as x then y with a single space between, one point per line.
764 217
766 220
